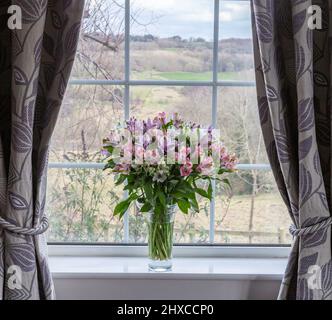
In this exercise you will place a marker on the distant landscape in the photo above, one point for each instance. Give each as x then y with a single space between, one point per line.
80 201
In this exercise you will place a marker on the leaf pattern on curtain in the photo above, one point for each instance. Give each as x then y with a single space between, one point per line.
35 65
294 100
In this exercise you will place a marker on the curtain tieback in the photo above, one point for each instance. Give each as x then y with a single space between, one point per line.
295 232
41 228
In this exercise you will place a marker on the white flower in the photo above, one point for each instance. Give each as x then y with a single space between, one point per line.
159 176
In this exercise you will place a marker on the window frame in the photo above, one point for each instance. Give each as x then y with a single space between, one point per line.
127 83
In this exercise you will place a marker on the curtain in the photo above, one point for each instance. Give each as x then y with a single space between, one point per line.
35 64
293 75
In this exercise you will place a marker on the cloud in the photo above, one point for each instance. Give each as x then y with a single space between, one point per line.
231 11
193 18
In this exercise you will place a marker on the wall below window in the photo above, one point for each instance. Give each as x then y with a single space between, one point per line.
192 278
147 289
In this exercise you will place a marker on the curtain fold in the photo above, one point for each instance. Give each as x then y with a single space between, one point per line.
35 64
293 75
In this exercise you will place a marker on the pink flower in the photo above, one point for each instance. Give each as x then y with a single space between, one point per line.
183 155
127 153
160 120
139 154
225 157
162 115
198 151
231 162
152 157
216 149
186 169
114 138
122 168
206 167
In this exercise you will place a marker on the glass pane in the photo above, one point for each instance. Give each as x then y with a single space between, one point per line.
192 103
80 206
100 53
235 44
81 201
87 114
239 123
176 36
253 211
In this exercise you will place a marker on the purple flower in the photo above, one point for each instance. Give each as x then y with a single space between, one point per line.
148 125
105 153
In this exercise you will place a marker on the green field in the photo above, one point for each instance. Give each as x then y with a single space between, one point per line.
194 76
185 76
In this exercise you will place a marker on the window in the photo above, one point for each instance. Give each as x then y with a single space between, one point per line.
139 57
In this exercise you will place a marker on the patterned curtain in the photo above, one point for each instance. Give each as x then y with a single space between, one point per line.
293 74
35 64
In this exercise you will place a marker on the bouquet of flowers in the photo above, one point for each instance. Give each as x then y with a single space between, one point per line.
160 161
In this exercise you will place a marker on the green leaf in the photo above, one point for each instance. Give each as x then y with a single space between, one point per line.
181 195
226 181
184 205
194 204
146 207
128 187
109 165
202 192
162 198
121 179
148 191
122 207
158 209
210 191
186 187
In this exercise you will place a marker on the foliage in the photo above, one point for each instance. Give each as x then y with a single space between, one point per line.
77 206
143 168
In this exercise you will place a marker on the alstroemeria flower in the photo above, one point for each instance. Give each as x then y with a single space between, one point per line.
186 169
122 168
139 154
183 155
127 153
152 157
159 176
206 167
114 138
105 153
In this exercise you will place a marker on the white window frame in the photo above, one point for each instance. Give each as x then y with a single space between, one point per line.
186 250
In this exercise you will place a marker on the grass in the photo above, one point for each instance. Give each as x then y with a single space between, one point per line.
185 76
197 76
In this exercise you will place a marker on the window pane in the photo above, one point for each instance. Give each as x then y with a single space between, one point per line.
254 203
235 44
87 114
80 206
81 201
100 53
176 36
193 103
252 212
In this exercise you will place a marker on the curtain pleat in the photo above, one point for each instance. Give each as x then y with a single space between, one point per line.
35 65
293 75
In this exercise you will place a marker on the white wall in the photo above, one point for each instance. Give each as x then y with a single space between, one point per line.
141 289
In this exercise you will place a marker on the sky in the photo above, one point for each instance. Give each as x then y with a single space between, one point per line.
191 18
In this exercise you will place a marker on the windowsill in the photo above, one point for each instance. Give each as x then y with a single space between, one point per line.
183 268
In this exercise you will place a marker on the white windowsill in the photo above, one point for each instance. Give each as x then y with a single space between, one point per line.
183 268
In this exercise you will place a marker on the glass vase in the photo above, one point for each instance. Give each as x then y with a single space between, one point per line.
161 227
